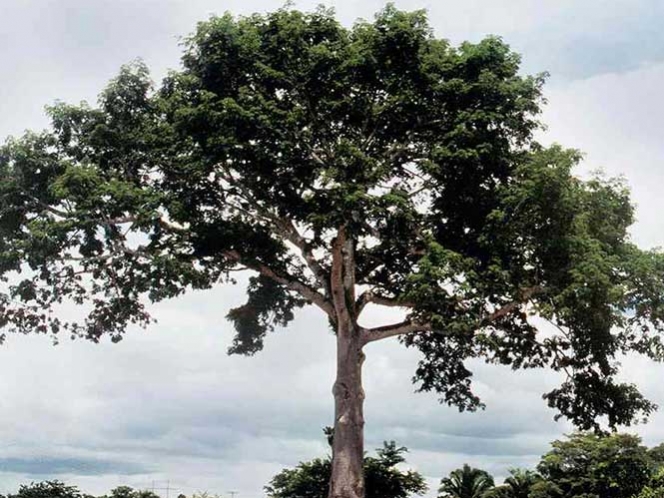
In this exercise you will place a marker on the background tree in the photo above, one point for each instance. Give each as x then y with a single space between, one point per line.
655 488
466 482
47 489
613 466
656 455
129 492
382 476
519 484
545 489
343 167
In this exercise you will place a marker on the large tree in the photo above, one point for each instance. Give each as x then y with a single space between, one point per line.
375 165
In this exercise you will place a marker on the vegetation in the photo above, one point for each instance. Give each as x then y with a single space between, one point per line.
48 489
584 465
375 165
382 476
466 482
611 467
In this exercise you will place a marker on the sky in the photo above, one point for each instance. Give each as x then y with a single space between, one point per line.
167 407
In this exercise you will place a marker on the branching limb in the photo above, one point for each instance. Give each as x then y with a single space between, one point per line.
401 328
283 228
371 297
288 281
526 295
413 326
291 234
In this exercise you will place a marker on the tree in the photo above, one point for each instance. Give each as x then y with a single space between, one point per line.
519 484
649 492
466 482
382 477
47 489
129 492
613 466
545 489
375 165
656 455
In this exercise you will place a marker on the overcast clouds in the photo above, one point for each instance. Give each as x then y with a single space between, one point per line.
168 404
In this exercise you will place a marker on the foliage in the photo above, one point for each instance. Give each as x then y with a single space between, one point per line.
47 489
519 484
383 478
649 492
129 492
466 482
656 455
609 466
545 489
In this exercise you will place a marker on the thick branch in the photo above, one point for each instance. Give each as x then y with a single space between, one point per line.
291 234
526 294
288 281
401 328
283 228
370 297
410 326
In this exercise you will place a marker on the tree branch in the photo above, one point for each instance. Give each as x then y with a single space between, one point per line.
284 228
410 326
291 234
526 294
288 281
396 329
370 297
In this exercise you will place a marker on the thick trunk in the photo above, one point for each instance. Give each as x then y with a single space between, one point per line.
347 480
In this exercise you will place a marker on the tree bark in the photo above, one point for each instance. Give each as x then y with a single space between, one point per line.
347 480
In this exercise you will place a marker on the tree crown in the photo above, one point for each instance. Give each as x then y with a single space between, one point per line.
345 167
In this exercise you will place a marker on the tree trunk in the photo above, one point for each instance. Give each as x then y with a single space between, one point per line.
347 480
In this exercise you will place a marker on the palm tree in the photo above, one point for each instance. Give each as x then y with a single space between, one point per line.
466 482
520 481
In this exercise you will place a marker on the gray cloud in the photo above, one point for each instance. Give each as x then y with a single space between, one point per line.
53 466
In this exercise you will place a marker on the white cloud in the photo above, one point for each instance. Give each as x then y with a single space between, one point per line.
616 119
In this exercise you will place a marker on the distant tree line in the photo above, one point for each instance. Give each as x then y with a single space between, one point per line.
583 465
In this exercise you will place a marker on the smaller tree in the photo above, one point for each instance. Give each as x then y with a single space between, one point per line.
545 489
47 489
655 488
519 484
656 454
606 466
466 482
129 492
383 478
649 492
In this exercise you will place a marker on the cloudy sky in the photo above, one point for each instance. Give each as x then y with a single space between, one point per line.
167 406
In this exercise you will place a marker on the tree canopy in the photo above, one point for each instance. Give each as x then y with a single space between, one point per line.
616 466
48 489
466 482
344 167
